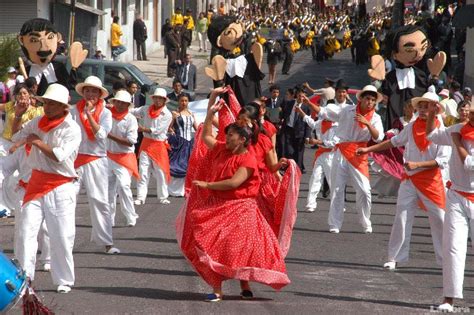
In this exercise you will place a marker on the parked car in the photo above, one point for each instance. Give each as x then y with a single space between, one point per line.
112 71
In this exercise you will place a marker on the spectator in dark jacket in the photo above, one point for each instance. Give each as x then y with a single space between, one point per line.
140 36
173 46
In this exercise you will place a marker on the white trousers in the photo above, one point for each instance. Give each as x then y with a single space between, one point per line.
457 222
176 187
343 172
95 176
146 167
322 167
120 182
407 206
202 40
57 209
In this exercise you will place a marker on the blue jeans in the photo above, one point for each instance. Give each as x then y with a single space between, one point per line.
117 50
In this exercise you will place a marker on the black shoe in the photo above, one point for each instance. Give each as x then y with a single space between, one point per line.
246 295
285 73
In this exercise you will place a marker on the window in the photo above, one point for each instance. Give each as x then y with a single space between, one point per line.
114 74
145 9
138 9
115 8
124 12
86 70
100 6
86 2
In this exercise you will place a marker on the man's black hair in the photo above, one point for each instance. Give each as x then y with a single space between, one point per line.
274 87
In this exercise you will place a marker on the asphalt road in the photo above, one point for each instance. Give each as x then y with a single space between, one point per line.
330 273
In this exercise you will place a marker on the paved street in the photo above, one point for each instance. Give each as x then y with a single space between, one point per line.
329 272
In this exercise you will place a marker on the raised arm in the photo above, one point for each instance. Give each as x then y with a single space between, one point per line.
212 109
242 174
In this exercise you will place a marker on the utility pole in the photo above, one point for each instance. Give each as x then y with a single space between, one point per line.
397 14
72 22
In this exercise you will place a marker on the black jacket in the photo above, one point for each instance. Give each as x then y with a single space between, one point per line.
301 129
139 31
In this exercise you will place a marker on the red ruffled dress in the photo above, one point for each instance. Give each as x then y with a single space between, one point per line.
223 234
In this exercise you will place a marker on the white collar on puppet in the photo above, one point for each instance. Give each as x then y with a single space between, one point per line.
405 78
37 71
236 66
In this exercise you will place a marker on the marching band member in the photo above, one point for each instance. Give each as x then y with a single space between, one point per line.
50 194
121 155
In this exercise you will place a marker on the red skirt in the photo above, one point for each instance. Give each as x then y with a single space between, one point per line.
230 239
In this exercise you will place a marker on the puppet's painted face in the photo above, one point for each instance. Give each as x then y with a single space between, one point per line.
411 48
41 46
231 37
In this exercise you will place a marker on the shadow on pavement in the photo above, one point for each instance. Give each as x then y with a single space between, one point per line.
147 271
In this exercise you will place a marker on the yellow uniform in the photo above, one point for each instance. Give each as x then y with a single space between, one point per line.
177 19
115 33
190 20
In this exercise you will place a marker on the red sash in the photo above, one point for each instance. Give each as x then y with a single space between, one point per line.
116 115
325 126
127 160
154 112
319 152
84 159
46 124
360 162
419 134
42 183
430 183
22 184
158 151
467 132
368 115
99 107
469 196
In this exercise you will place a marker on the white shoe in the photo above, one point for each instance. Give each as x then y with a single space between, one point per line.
112 251
46 267
63 289
334 230
164 201
390 265
446 307
368 230
310 209
138 202
131 224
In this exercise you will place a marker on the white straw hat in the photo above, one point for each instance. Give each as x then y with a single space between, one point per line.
428 97
55 92
92 81
372 89
161 92
122 96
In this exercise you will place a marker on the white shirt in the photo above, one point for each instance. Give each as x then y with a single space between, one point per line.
98 147
126 128
291 119
158 126
64 141
17 161
328 138
348 129
461 174
439 153
37 71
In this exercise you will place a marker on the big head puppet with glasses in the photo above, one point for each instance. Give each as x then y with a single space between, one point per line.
413 71
39 40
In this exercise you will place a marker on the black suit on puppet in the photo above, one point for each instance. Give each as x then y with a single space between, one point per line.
63 77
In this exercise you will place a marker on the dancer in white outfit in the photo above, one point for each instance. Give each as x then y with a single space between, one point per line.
92 165
153 157
122 159
50 194
357 125
423 161
460 202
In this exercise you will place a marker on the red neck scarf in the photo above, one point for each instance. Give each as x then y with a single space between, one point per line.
154 111
367 115
99 107
46 124
419 134
325 126
116 115
467 132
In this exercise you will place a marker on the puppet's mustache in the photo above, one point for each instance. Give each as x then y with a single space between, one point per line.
44 53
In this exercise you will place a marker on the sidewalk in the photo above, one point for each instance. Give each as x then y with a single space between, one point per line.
155 67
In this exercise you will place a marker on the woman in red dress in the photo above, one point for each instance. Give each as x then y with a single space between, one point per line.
220 229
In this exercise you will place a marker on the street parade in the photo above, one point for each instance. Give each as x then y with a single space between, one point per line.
266 156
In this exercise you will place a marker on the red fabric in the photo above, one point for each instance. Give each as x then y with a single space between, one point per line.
158 152
391 160
326 125
360 162
367 115
430 183
154 111
127 160
419 134
261 149
27 149
99 107
84 159
467 132
320 151
42 183
22 184
469 196
116 115
228 113
270 128
45 124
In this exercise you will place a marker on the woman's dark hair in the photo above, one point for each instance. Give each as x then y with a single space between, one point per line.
252 111
462 104
180 96
241 130
20 86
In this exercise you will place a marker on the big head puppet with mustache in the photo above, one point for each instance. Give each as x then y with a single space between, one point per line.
39 40
413 72
241 73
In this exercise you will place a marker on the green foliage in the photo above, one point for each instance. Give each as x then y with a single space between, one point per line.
9 53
